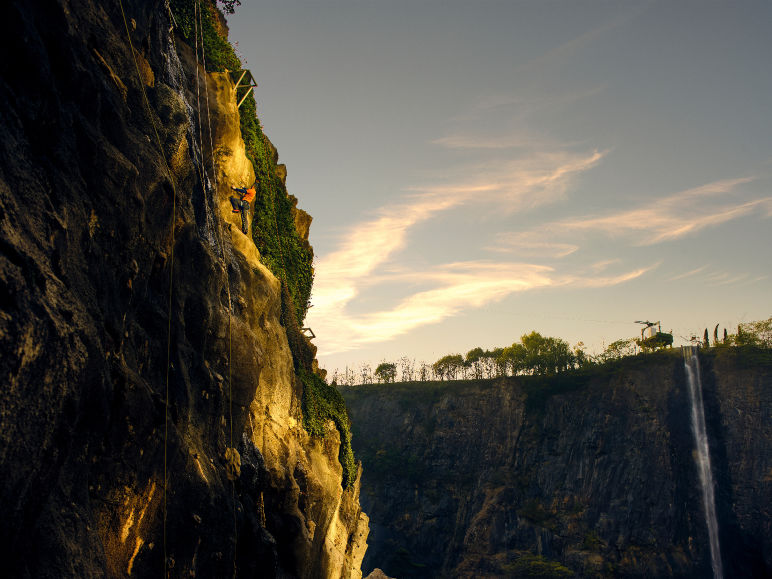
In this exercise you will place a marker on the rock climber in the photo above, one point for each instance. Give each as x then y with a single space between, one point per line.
241 205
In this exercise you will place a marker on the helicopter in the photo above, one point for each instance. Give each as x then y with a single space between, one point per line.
651 339
648 325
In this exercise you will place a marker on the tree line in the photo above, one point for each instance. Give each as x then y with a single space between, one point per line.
534 354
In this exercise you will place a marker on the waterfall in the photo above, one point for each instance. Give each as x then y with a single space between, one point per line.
692 365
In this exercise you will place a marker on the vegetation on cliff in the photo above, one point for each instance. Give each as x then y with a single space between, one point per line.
282 249
321 404
528 565
220 55
586 473
538 355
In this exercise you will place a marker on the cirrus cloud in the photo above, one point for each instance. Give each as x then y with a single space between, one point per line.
456 287
367 253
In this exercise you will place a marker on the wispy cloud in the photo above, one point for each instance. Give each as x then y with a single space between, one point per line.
754 280
663 219
563 53
367 252
598 282
458 286
716 278
673 217
516 186
525 245
726 279
510 173
689 273
369 244
518 183
518 108
603 265
465 141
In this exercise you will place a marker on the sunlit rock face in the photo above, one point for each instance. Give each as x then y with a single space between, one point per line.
576 476
126 288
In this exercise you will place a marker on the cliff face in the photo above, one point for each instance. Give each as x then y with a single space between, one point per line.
117 458
589 475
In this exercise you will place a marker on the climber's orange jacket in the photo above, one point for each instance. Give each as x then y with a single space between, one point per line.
249 195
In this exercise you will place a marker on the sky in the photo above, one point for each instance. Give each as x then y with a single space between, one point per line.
478 169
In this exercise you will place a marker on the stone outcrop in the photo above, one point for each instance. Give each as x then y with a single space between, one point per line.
378 574
150 418
586 475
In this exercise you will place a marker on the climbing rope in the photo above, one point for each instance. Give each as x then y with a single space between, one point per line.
196 20
171 273
200 27
216 187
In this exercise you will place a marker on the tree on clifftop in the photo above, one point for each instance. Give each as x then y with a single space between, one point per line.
386 372
617 349
448 366
474 362
755 334
545 355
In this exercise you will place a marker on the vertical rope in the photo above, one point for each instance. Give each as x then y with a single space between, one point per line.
200 26
171 275
216 185
196 20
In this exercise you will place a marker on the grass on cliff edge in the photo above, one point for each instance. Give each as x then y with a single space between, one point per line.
322 403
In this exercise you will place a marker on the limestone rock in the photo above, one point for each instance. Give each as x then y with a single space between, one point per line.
281 173
232 463
378 574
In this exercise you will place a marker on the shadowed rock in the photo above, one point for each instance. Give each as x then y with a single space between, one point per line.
150 417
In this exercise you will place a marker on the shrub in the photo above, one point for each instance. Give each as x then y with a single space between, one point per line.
536 566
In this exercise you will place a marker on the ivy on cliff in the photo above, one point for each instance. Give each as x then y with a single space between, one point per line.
220 55
282 250
322 403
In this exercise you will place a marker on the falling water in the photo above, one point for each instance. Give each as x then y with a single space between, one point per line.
692 365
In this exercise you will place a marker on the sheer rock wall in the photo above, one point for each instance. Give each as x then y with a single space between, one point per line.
98 282
595 473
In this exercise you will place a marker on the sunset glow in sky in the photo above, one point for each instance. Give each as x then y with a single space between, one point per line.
480 169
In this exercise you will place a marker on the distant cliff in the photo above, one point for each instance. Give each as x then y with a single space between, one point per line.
151 416
587 474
